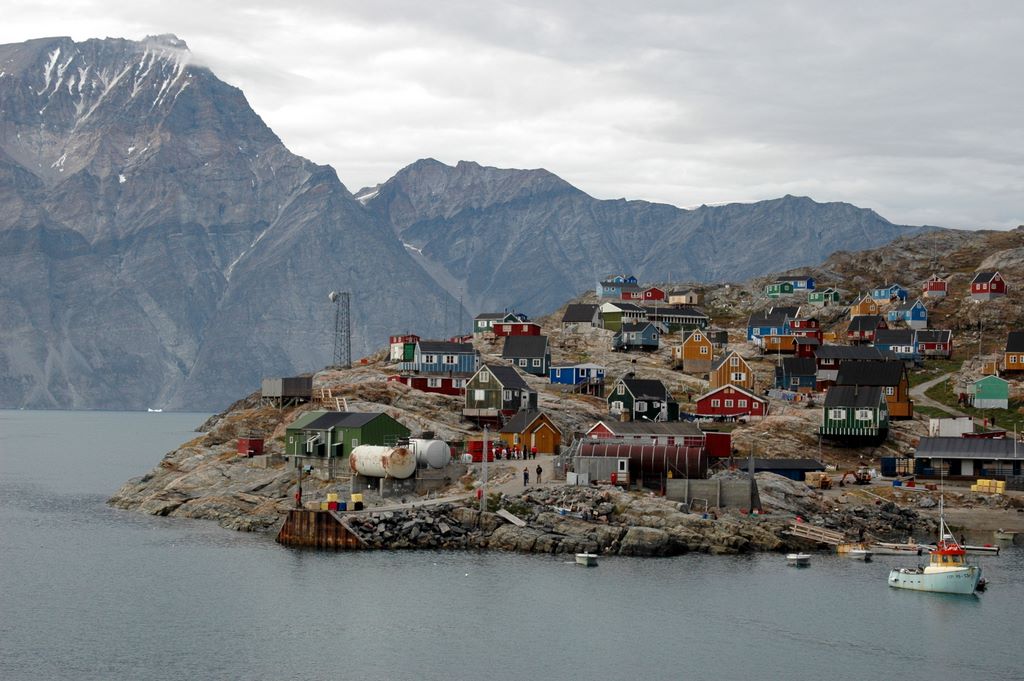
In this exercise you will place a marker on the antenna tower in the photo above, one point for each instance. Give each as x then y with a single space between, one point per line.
342 329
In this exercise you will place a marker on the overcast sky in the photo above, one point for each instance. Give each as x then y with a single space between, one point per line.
914 109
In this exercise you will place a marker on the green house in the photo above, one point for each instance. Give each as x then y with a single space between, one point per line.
855 415
991 392
335 433
779 288
828 296
642 399
614 315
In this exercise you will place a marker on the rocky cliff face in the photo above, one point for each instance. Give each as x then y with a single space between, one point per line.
159 246
528 239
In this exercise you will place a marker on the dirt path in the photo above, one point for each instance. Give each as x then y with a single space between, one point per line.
919 397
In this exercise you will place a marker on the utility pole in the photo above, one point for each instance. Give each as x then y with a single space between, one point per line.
483 476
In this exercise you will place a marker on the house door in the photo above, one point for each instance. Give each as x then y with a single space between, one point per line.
544 440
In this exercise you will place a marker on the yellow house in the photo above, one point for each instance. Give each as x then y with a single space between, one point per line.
862 306
731 369
695 353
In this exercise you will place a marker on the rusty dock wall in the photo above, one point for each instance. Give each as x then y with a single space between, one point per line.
318 530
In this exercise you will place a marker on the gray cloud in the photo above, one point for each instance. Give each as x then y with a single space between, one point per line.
908 108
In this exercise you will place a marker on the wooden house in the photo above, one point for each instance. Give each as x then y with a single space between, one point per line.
530 429
889 293
516 329
334 434
484 322
777 289
807 347
675 318
799 283
643 336
935 287
777 344
830 357
439 358
913 314
579 315
612 286
889 375
1013 355
968 457
495 393
901 343
531 354
684 433
855 415
934 343
690 297
824 297
865 305
402 348
612 316
638 399
585 378
987 285
770 322
444 385
652 293
630 292
861 329
805 327
731 369
990 392
695 353
799 374
731 401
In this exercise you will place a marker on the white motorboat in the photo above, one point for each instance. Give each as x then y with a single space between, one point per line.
586 559
798 559
947 570
860 554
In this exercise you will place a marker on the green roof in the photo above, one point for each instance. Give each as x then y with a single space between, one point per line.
307 418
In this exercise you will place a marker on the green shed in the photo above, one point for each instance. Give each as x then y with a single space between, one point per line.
294 443
991 392
336 433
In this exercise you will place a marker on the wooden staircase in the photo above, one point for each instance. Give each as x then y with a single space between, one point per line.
815 533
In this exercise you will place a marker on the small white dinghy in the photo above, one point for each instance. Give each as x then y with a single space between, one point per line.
860 554
798 559
586 559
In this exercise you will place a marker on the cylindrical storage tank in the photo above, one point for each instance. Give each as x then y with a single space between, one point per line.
684 462
430 453
374 461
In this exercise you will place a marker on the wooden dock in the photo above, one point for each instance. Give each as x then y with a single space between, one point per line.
319 530
815 533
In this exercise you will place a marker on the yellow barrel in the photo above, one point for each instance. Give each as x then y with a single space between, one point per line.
357 497
332 496
323 505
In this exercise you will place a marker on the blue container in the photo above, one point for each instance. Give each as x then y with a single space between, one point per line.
342 505
897 483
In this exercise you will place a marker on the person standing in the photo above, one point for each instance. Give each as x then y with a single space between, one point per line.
526 476
533 452
539 471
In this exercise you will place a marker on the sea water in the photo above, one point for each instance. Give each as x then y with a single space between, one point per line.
91 592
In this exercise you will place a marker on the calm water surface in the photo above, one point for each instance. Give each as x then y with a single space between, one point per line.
89 592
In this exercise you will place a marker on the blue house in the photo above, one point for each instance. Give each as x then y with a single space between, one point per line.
915 314
773 322
442 358
639 336
799 374
902 343
585 378
890 292
799 283
612 287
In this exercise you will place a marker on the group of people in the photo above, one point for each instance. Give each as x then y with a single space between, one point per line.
515 454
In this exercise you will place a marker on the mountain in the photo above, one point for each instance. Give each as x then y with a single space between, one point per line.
159 246
528 239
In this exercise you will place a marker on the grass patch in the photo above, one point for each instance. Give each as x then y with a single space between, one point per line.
933 369
1005 418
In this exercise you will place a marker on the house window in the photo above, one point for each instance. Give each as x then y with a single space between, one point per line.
355 442
863 414
1011 359
616 406
485 377
741 403
478 395
522 362
558 373
794 381
728 403
526 327
429 359
837 414
703 349
737 376
450 359
536 362
654 336
696 338
458 383
734 361
621 390
641 406
506 395
433 382
890 391
716 403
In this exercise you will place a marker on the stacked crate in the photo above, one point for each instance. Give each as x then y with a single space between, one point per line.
989 486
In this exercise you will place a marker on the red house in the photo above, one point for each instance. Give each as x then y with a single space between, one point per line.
731 400
935 287
805 328
517 329
862 328
446 385
652 293
987 285
807 347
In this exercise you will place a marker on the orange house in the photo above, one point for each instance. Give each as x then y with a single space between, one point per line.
529 429
779 344
696 352
863 306
731 369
